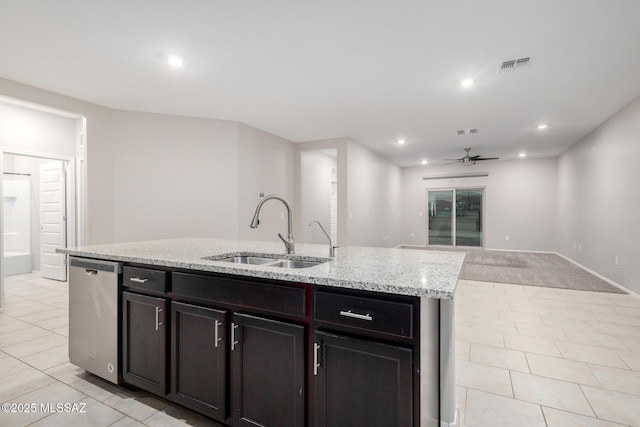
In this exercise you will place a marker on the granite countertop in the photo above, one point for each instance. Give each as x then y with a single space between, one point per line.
420 273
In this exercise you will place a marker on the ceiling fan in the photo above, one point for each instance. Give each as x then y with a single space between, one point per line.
468 159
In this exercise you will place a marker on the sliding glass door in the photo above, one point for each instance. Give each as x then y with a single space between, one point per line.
456 223
441 217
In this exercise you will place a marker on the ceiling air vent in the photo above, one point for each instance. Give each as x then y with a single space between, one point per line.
514 64
467 131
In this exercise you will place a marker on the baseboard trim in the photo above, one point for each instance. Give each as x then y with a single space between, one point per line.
599 276
454 423
521 250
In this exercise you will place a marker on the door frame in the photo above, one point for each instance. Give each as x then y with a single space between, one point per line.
75 186
453 216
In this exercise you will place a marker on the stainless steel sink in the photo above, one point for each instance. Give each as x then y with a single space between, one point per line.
275 261
294 263
248 260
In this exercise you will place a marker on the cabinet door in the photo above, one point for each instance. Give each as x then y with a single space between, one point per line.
361 383
268 372
198 359
144 347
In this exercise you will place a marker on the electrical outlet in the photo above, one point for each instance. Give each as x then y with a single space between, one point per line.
617 261
507 237
420 213
579 248
350 215
413 235
574 245
281 215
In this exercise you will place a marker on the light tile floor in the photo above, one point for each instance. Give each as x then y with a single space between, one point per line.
35 369
526 356
531 356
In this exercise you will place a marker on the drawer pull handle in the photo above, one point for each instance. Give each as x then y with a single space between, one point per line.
158 322
233 336
316 365
139 279
216 338
349 313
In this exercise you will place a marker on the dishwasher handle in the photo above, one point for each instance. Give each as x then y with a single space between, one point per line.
95 265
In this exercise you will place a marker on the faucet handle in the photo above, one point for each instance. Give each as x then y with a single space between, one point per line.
288 243
332 251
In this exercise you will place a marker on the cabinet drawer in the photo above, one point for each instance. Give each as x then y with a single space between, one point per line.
243 293
145 279
369 314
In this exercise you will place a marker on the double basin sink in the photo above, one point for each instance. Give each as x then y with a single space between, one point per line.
267 261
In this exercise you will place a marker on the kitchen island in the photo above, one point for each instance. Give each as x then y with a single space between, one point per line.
365 338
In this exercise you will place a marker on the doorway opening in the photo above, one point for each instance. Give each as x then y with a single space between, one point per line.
43 170
35 215
455 217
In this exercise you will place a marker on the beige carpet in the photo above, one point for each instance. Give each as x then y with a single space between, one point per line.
528 268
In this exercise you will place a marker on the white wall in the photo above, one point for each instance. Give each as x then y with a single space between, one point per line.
374 205
315 194
180 176
99 151
340 147
37 131
520 200
174 177
599 199
212 169
265 163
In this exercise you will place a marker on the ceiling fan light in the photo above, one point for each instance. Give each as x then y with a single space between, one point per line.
523 154
542 126
401 142
423 162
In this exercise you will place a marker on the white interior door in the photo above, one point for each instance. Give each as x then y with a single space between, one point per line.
53 220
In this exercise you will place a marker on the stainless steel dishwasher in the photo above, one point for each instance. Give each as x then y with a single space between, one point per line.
93 316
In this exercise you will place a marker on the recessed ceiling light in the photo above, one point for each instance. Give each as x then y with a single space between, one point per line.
523 154
175 61
466 82
423 162
401 142
542 126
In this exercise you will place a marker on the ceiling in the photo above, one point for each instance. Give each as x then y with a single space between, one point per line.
373 71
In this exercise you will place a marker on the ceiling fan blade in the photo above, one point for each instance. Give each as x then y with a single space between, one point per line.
477 156
487 158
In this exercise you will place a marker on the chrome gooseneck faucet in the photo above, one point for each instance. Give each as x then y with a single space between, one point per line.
332 249
288 242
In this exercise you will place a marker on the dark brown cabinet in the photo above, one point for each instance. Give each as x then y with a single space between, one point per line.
199 359
144 346
242 351
268 369
361 383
